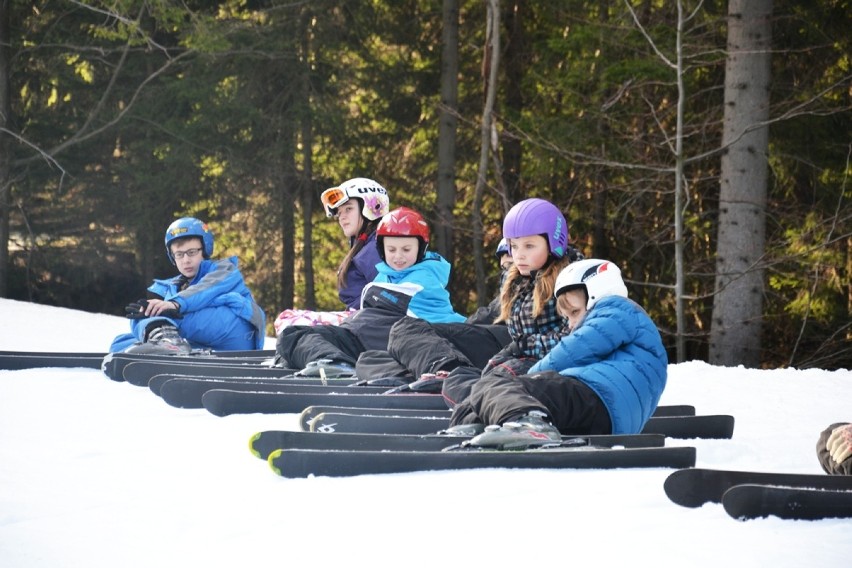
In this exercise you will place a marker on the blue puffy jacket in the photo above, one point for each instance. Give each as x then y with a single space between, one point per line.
618 352
218 310
425 285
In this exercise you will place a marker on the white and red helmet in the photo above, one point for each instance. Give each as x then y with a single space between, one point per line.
600 278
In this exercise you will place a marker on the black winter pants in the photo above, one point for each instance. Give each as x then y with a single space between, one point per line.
300 344
423 347
573 407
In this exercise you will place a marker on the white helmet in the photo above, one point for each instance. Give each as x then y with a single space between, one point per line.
372 195
600 278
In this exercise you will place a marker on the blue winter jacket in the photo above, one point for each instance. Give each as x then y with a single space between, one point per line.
218 310
618 352
361 271
425 285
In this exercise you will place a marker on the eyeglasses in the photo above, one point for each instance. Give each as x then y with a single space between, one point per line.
191 253
333 198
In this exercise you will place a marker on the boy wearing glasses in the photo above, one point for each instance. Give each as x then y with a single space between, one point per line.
206 306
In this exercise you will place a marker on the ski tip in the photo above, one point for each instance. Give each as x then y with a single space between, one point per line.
212 402
273 458
252 441
678 485
108 367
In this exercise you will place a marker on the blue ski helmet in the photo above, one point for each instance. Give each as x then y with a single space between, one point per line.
189 227
538 217
502 248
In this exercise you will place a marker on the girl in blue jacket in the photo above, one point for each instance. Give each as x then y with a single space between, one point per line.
411 281
605 377
207 306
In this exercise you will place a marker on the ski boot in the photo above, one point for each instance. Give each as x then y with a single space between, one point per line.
473 429
388 382
162 340
327 368
428 383
531 430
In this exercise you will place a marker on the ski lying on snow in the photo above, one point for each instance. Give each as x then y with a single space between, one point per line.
273 384
187 392
696 486
311 412
226 402
140 373
711 426
18 360
340 463
113 363
752 501
708 427
262 444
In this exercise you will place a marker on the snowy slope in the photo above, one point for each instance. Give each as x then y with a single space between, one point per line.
95 473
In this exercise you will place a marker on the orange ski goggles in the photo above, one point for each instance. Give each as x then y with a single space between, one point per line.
333 198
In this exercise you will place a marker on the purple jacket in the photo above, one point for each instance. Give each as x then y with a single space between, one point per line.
362 271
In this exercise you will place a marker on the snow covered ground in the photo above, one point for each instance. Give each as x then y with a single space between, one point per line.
95 473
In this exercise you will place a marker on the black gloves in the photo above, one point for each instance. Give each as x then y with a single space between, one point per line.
136 310
510 351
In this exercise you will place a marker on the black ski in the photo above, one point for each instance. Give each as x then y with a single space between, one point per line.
18 360
311 412
140 373
752 501
712 426
341 463
113 363
709 427
262 444
328 422
272 384
226 402
187 392
695 487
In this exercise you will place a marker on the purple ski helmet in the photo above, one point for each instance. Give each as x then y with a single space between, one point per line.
538 217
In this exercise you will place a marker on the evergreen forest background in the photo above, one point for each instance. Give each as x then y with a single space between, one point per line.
119 116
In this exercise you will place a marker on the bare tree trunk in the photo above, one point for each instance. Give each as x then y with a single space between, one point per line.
491 59
288 192
735 337
677 149
515 66
447 126
5 143
307 186
680 346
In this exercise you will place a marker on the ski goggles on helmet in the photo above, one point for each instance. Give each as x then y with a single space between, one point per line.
333 198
